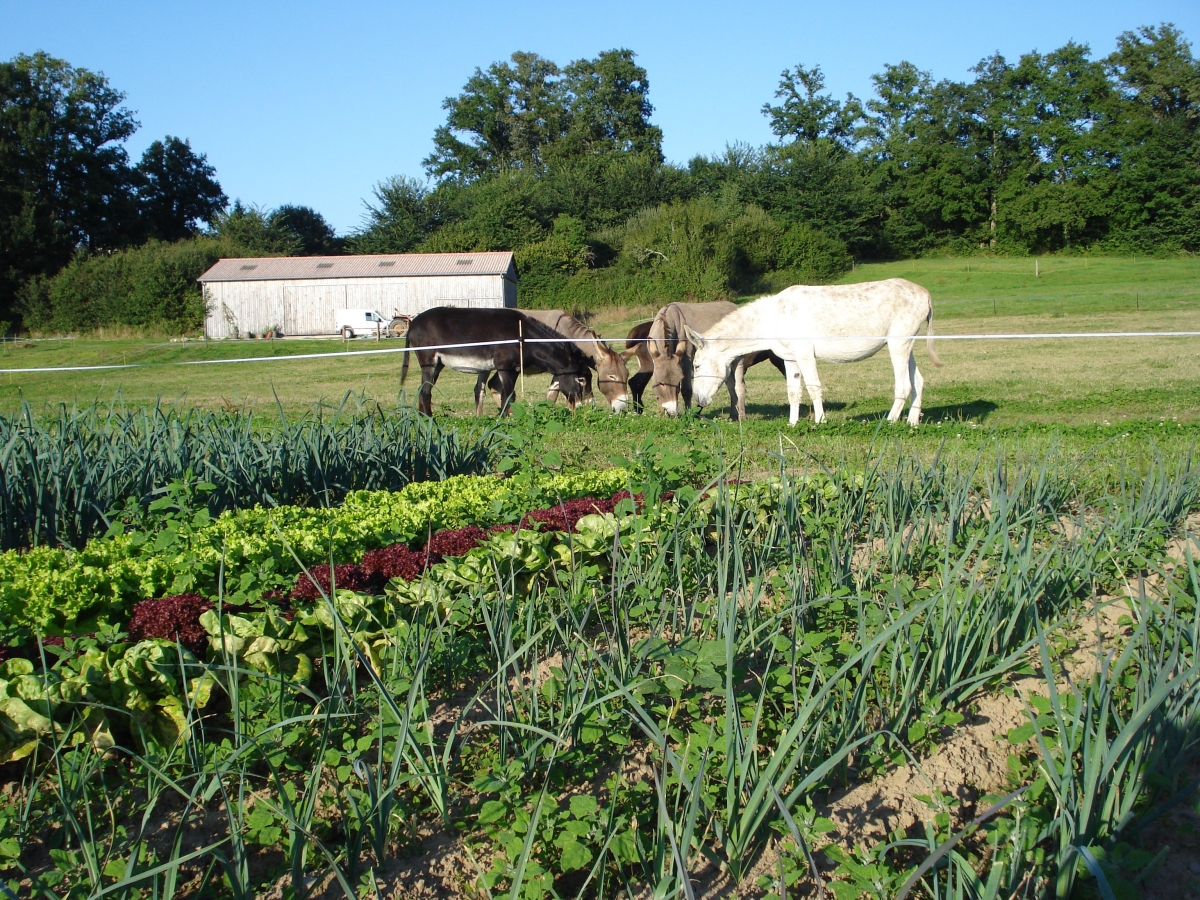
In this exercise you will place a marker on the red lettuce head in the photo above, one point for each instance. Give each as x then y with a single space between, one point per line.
398 561
176 617
456 541
346 577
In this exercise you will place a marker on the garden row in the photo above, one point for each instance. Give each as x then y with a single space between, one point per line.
64 479
630 699
246 553
131 665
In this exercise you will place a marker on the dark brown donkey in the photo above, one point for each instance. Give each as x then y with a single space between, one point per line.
497 339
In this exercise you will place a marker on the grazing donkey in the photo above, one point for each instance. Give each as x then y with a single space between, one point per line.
665 356
498 342
612 374
839 323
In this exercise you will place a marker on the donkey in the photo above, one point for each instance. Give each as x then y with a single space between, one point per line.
840 323
612 374
636 344
489 340
671 353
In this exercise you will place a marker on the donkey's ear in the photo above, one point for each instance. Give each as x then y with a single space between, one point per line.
695 338
627 354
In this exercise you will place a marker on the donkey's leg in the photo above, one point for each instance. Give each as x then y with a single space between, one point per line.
586 396
480 381
918 383
429 377
735 382
806 360
637 387
506 382
494 385
900 349
795 390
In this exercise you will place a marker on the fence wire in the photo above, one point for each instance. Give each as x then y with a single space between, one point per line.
999 336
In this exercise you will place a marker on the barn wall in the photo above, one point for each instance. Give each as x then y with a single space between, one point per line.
307 306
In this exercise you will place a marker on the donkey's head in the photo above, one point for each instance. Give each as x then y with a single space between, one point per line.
671 369
574 386
709 368
612 375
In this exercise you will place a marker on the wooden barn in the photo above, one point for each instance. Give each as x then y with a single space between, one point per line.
301 295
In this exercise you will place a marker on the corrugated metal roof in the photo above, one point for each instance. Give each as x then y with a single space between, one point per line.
383 265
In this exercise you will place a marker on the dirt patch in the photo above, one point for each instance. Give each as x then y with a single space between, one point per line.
1179 831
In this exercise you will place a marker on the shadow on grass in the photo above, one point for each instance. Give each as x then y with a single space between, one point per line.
977 410
772 410
971 410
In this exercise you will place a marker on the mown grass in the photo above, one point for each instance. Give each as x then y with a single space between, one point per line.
1062 285
593 438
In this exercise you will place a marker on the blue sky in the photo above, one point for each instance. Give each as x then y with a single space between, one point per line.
314 103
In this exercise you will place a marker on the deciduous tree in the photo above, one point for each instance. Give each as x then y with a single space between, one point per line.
65 181
317 237
177 190
402 214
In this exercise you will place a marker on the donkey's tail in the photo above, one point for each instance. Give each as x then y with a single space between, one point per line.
404 367
933 357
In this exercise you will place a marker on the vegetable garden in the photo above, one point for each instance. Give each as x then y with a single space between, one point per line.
345 659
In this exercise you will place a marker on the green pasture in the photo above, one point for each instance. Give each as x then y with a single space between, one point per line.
1077 389
1051 287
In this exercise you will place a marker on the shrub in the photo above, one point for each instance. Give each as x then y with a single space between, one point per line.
171 618
152 286
546 265
496 213
706 248
816 258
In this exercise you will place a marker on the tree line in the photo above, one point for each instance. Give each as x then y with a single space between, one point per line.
1054 152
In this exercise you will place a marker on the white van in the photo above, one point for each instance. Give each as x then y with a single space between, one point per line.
354 322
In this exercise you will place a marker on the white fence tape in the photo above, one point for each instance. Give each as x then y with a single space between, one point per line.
343 353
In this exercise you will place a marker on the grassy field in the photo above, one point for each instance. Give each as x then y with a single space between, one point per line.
1094 385
1062 287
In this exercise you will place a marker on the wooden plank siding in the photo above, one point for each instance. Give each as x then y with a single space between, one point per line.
306 306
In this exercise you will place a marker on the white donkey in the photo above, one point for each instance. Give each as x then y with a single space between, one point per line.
839 323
